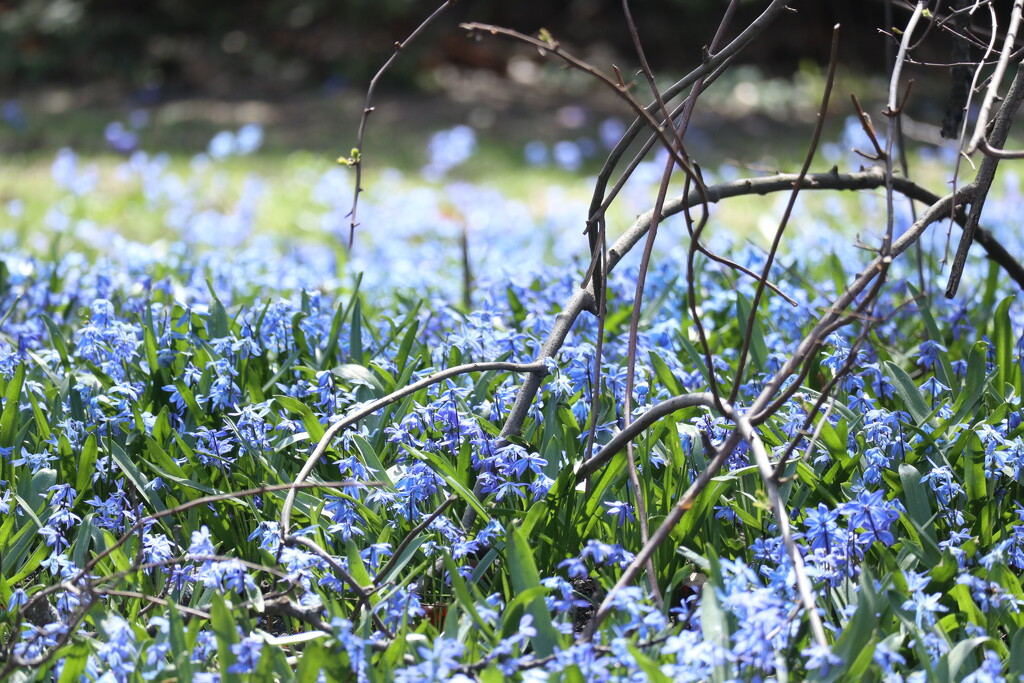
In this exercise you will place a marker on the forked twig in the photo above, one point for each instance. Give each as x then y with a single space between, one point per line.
986 174
620 89
536 368
981 125
582 299
759 410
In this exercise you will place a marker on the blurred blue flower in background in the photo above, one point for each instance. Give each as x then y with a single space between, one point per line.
448 149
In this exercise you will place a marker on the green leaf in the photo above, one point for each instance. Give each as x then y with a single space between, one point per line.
402 357
357 569
223 623
962 595
463 596
217 325
758 349
149 342
664 375
858 633
309 420
975 383
1007 371
86 464
956 657
908 392
372 461
181 650
57 341
523 573
331 349
80 548
944 370
141 482
12 398
714 622
73 662
194 410
1015 665
160 457
355 339
648 665
976 485
915 498
695 357
313 661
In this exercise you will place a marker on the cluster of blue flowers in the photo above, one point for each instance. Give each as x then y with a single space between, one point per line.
140 378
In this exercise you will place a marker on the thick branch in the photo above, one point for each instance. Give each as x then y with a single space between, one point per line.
986 174
863 180
637 426
761 409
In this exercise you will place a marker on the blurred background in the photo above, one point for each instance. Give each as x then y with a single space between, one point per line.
168 48
299 68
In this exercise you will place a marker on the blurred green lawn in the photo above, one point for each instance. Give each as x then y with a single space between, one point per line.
304 137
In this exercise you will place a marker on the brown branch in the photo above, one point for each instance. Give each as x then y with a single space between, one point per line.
622 91
637 426
758 411
535 369
582 299
986 174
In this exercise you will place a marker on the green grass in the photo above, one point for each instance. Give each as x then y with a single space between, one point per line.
304 136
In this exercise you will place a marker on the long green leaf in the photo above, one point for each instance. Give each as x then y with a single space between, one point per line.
1007 371
223 623
523 574
908 392
12 398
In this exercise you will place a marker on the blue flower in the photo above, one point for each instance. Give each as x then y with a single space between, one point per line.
928 354
620 511
874 515
202 543
924 605
247 651
119 650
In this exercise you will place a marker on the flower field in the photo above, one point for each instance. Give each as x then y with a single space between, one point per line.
232 453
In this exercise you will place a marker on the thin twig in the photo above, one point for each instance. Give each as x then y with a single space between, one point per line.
661 534
619 89
757 411
582 299
713 64
638 295
357 155
411 536
782 519
637 426
537 368
812 148
986 174
362 593
981 125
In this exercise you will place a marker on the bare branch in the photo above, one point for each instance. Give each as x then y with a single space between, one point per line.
536 369
356 159
986 174
997 78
